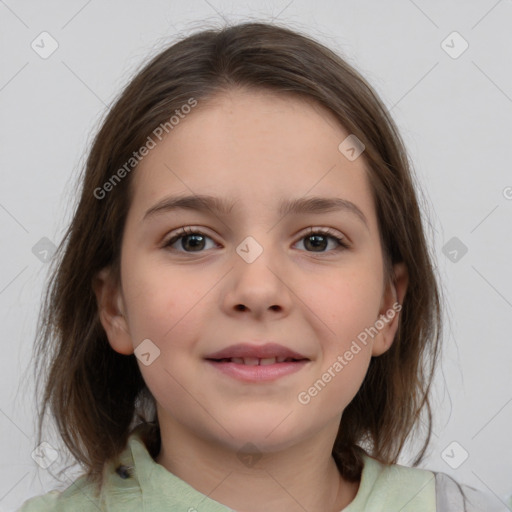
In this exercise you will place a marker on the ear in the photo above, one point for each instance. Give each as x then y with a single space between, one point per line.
391 305
111 311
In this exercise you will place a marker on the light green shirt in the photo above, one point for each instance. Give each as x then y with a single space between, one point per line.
150 487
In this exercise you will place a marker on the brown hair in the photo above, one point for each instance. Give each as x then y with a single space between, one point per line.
96 395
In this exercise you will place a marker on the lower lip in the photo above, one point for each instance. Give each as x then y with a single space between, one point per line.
258 373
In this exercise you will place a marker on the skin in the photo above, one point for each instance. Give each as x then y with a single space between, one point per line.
256 148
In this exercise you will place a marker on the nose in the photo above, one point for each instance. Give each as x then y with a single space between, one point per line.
258 287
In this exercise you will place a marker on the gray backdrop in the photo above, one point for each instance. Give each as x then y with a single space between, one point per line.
444 69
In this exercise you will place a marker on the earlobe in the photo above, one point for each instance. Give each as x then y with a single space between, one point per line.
111 312
390 310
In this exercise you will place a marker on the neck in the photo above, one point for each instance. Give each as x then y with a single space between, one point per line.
303 477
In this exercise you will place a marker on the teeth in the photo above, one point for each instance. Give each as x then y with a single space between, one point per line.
254 361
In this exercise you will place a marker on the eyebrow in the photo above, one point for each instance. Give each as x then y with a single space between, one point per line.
205 203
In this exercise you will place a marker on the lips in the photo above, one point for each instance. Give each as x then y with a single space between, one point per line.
255 361
256 355
257 364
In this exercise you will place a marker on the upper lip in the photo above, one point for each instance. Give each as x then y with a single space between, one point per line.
265 351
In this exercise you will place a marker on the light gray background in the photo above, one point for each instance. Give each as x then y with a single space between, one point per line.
455 115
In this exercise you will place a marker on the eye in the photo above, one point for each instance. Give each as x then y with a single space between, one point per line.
191 240
318 240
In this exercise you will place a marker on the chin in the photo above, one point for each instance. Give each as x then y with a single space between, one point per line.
268 433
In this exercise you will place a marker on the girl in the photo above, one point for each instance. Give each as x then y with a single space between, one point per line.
244 315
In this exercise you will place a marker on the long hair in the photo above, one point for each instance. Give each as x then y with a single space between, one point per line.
97 396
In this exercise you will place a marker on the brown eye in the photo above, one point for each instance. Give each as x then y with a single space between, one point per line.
189 241
318 241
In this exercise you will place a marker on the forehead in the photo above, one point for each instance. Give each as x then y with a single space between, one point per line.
253 146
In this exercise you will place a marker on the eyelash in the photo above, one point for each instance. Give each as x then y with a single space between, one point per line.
187 231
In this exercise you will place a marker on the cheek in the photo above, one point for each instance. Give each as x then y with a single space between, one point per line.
337 382
163 306
347 302
162 303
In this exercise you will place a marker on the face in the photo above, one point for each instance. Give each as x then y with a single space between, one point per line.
252 274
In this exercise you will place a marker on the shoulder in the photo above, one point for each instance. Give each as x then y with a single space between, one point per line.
412 489
453 496
40 503
79 496
398 487
120 492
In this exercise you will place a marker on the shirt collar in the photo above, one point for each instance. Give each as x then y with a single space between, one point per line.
159 489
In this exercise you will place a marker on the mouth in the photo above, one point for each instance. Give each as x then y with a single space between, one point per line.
255 369
257 363
251 352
